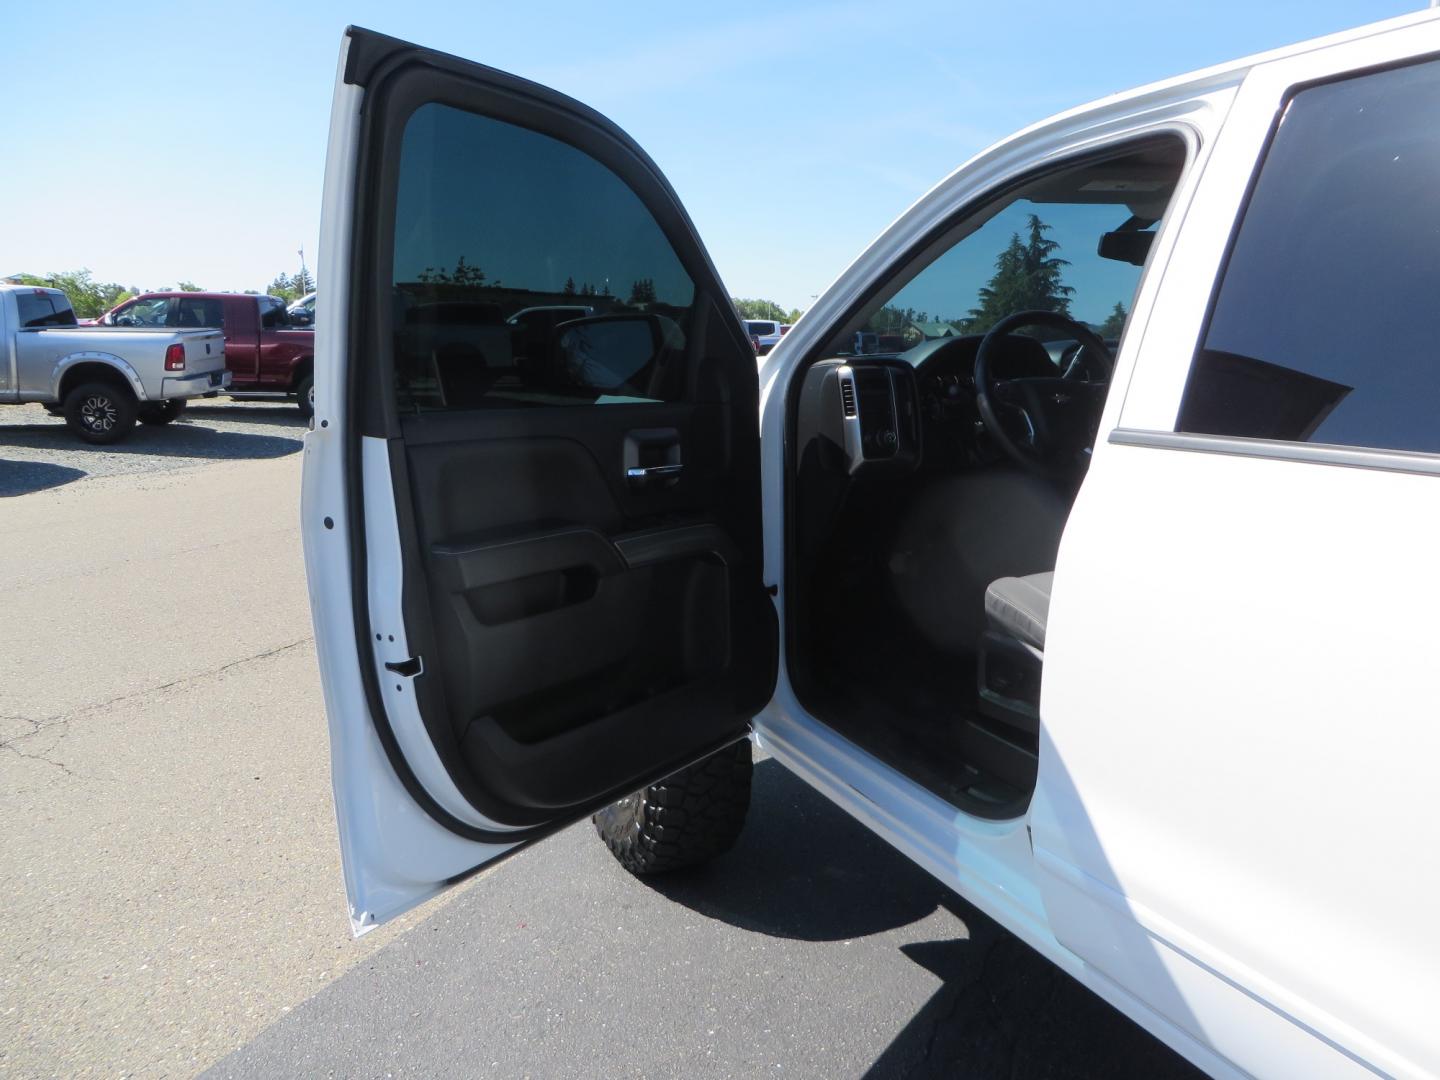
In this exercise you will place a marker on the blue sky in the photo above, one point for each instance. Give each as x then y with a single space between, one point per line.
158 142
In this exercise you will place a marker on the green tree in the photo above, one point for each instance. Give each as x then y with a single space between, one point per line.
763 309
569 289
187 286
88 297
1114 323
290 288
642 291
1028 277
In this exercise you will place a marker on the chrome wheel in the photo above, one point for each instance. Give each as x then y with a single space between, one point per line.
98 413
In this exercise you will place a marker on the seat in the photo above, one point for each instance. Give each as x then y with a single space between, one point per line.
1020 607
1011 653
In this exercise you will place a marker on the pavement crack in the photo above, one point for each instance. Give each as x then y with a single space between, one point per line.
9 744
47 722
978 993
192 678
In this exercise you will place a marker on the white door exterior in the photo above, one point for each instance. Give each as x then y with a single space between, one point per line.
1234 819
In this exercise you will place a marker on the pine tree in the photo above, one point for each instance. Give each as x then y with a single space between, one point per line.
1114 324
1027 278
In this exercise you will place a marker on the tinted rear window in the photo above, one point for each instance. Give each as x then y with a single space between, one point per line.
44 309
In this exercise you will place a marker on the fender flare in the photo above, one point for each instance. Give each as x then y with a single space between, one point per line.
110 360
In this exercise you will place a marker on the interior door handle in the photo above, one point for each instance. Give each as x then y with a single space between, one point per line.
641 475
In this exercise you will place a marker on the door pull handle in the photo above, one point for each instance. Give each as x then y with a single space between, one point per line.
645 475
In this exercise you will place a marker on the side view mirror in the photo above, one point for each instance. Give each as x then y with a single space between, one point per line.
604 353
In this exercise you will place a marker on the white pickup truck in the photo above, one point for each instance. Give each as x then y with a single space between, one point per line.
1134 649
101 379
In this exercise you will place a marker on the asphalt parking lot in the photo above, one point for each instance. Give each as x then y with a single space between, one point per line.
37 450
168 857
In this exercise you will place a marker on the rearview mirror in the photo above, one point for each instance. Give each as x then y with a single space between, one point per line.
1130 246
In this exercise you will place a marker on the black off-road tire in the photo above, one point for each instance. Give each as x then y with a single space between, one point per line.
156 413
305 396
685 819
101 412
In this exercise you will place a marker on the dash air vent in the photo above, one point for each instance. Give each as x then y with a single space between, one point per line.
847 397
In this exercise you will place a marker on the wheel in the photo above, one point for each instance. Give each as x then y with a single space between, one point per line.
161 412
305 396
685 819
101 412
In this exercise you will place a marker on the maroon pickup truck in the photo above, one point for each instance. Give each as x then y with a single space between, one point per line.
266 356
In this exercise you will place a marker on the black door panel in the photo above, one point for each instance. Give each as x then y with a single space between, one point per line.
578 618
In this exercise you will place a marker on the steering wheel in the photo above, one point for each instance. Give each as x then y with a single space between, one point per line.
1059 414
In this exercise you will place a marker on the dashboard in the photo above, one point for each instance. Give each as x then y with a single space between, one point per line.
887 413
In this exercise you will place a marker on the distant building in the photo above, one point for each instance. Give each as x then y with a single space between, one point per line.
931 331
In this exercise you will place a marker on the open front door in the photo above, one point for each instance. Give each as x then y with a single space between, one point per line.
532 492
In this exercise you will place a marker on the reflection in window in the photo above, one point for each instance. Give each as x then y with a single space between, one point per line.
527 273
1325 327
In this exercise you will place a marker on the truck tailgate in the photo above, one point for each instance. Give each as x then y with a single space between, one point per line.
204 349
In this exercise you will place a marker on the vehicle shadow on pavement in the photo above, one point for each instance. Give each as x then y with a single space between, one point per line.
279 415
803 869
184 438
23 477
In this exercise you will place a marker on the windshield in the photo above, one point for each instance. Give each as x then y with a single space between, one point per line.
1037 249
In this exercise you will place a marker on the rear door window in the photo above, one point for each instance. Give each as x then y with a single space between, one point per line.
200 311
1325 326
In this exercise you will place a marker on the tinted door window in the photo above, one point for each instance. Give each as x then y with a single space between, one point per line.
1325 327
273 313
194 311
151 312
526 273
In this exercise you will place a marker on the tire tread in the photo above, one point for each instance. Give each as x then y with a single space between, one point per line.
684 820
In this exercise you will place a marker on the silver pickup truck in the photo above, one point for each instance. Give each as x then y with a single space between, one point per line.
101 379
